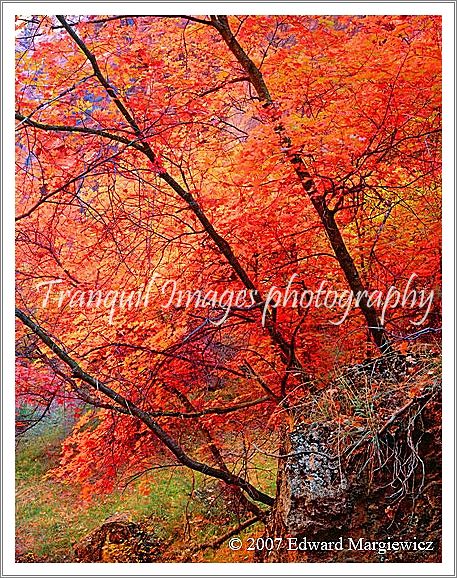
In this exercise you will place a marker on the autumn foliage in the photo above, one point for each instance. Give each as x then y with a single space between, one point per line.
218 154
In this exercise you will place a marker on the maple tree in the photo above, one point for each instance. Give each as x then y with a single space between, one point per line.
223 154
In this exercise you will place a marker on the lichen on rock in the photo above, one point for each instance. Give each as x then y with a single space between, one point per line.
315 493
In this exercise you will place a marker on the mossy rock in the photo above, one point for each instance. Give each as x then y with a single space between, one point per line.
119 539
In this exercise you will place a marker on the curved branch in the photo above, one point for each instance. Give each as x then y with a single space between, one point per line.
98 20
213 410
212 446
82 129
145 417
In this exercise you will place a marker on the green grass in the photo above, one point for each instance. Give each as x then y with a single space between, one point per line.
51 517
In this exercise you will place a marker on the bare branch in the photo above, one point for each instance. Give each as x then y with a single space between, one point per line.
213 410
81 129
219 541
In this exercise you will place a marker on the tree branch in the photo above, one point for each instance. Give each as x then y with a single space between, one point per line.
243 500
98 73
255 76
145 417
223 246
98 21
193 19
47 196
219 541
82 129
212 410
302 171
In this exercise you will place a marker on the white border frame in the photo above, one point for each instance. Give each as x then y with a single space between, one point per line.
9 566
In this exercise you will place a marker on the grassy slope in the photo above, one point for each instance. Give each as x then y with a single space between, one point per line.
51 517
